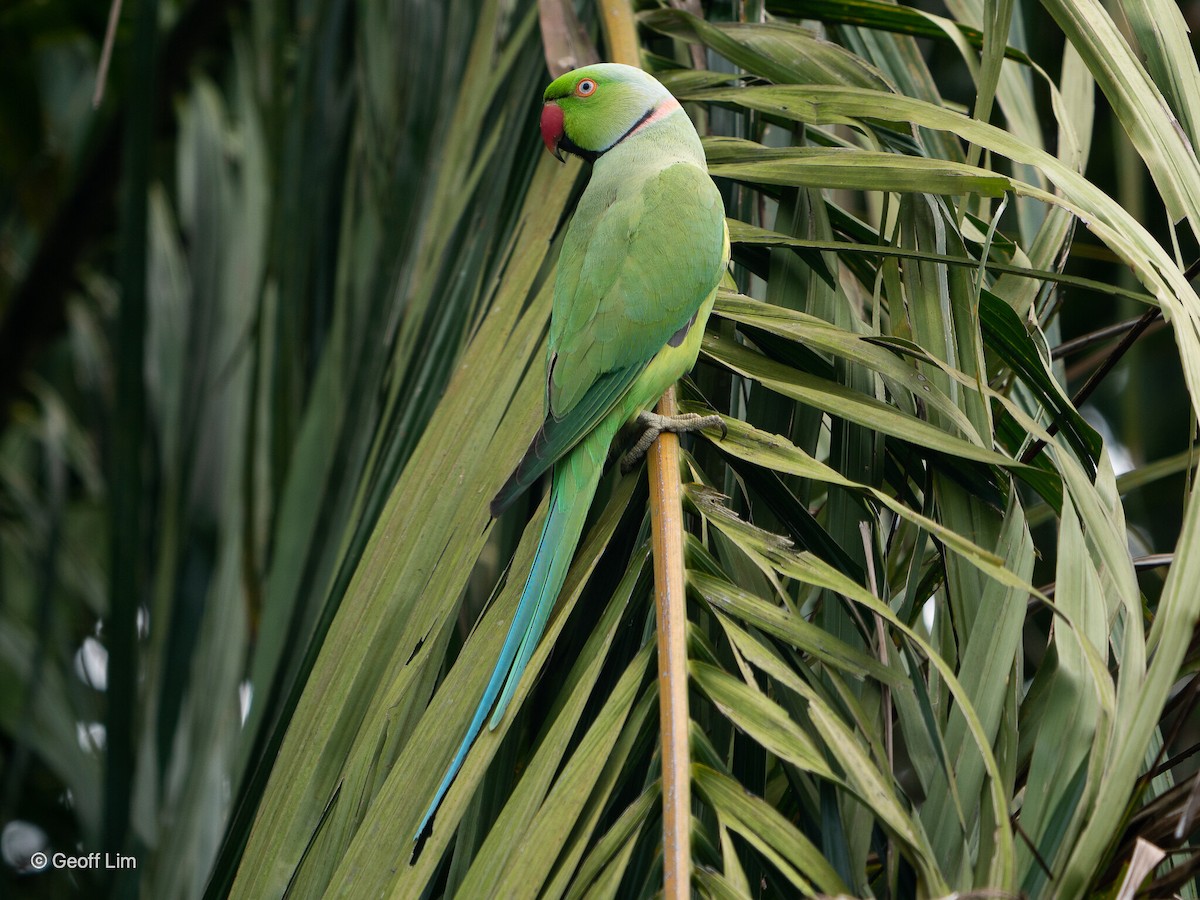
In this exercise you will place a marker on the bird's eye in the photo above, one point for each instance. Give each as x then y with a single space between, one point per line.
585 88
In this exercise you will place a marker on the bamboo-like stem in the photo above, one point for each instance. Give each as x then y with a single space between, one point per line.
666 520
620 32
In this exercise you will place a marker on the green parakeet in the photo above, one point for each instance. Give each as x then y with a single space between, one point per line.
636 281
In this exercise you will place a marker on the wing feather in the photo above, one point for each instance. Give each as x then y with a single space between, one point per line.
557 436
648 255
639 259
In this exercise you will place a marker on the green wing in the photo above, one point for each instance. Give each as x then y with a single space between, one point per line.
639 259
557 436
647 256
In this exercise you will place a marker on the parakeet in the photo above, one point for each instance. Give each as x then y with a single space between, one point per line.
636 279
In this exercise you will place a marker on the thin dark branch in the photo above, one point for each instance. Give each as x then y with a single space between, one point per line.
1098 376
1099 336
1133 330
1089 387
1033 849
1193 693
1179 757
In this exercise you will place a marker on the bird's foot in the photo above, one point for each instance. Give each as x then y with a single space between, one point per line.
652 425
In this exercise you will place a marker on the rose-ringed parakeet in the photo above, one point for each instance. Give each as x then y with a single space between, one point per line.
637 276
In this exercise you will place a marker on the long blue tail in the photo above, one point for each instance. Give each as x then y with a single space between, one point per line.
569 501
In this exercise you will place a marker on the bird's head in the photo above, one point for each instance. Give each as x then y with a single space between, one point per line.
589 110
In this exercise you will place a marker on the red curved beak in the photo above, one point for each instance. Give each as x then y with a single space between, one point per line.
552 128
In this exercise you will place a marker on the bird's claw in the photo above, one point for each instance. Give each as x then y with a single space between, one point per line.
653 424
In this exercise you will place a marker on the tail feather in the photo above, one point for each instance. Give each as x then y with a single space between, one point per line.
545 579
533 633
570 497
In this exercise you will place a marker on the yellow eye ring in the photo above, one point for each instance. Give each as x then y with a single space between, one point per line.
585 88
